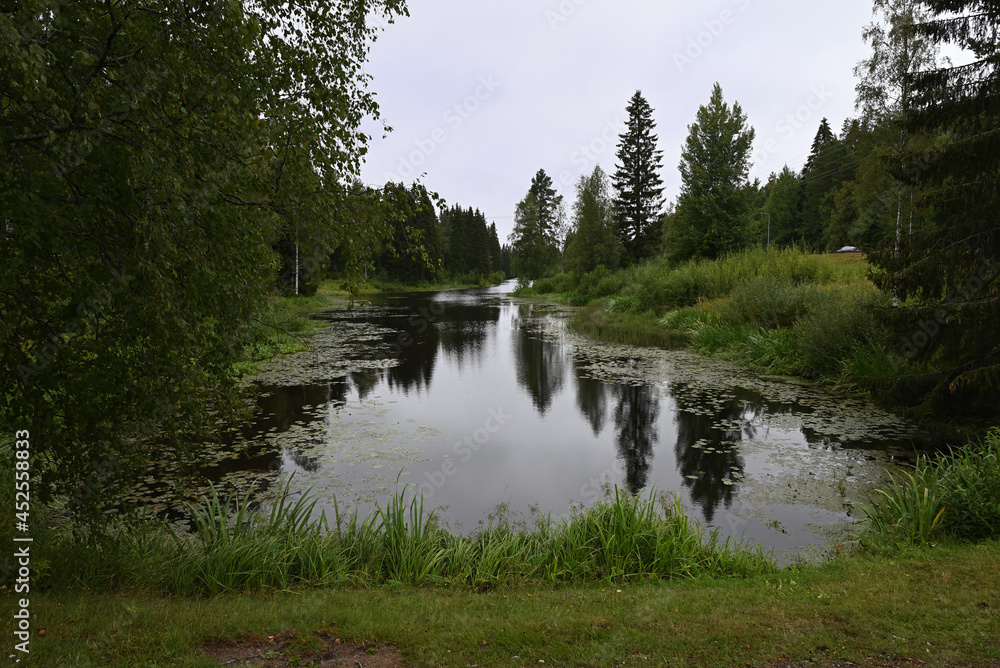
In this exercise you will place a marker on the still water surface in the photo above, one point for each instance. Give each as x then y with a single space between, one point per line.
481 400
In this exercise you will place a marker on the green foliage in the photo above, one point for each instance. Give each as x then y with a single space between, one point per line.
828 166
839 324
638 201
957 493
769 302
714 210
415 250
593 241
472 246
912 507
972 489
236 547
535 247
150 160
781 209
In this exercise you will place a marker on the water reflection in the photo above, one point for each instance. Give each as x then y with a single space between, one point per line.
637 410
541 364
437 366
592 400
706 457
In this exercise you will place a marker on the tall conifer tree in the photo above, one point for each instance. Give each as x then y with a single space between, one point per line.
639 189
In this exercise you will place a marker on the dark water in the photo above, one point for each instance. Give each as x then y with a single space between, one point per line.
478 399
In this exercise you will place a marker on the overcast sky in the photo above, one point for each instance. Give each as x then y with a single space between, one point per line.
482 93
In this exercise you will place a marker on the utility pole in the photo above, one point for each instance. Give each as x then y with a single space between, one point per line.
768 214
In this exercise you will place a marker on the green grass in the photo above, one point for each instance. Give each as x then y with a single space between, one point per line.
954 494
238 548
630 328
935 606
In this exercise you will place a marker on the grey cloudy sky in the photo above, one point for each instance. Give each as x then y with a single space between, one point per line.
481 94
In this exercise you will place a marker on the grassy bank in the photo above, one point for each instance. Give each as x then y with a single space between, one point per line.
778 311
626 581
932 606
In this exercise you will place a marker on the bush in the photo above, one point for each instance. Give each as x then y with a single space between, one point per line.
769 302
837 325
972 489
622 303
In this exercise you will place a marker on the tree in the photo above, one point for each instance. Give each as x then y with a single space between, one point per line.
593 241
885 98
534 245
151 156
782 208
414 251
714 210
638 187
828 167
947 276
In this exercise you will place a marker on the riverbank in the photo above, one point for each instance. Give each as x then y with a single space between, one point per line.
773 312
286 327
931 606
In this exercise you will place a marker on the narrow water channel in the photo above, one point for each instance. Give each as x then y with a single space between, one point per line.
488 404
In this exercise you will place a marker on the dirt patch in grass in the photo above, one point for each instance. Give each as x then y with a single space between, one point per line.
302 649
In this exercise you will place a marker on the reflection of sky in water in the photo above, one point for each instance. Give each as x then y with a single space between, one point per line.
478 400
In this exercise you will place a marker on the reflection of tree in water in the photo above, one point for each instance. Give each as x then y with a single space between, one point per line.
281 406
592 400
704 471
464 331
364 382
416 357
636 412
541 366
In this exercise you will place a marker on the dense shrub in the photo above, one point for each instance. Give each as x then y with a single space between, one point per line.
769 302
837 325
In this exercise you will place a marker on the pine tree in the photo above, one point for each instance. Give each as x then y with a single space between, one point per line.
714 210
639 192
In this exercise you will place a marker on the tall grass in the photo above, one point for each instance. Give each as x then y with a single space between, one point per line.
956 494
235 547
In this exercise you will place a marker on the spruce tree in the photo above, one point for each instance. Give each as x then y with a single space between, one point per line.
639 189
948 275
826 169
